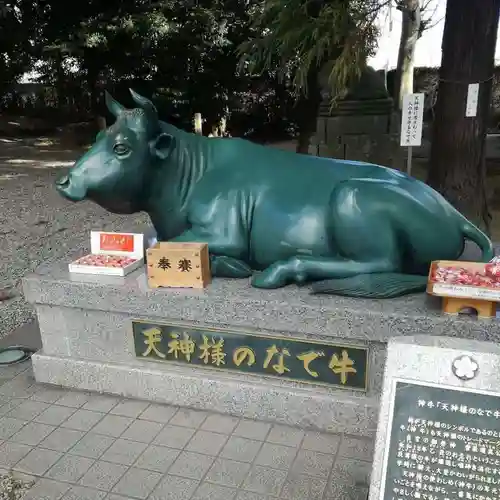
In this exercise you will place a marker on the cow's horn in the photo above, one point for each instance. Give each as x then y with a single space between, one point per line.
145 104
115 108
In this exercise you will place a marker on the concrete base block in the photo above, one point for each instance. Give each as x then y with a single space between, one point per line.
86 329
317 408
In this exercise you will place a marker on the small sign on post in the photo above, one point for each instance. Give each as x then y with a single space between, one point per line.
412 123
472 100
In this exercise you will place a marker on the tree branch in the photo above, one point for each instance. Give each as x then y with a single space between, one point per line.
426 23
402 6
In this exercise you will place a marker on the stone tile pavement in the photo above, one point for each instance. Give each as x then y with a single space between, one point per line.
83 446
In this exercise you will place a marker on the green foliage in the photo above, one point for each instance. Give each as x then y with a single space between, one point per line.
186 54
184 49
335 36
16 23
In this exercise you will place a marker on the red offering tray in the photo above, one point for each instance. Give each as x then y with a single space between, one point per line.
111 253
466 284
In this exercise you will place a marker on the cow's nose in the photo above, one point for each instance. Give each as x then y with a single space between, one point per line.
63 181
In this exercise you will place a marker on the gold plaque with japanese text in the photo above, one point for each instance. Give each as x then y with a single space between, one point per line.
301 360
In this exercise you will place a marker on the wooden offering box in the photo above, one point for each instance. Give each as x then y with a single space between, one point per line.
178 265
115 254
457 297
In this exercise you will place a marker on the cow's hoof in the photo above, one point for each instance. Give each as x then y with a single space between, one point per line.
228 267
274 276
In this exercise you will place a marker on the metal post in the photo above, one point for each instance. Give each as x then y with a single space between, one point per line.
198 124
408 161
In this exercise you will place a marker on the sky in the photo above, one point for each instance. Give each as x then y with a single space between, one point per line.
428 51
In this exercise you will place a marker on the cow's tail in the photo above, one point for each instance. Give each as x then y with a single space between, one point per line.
373 286
389 285
474 234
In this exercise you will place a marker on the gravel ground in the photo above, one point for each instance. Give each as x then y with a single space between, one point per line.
12 488
38 225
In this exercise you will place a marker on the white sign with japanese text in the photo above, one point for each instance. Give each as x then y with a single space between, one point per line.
412 120
473 292
472 100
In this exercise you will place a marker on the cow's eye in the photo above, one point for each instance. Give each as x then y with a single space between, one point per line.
120 149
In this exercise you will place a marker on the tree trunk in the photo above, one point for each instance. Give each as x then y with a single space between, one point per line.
457 166
410 33
308 107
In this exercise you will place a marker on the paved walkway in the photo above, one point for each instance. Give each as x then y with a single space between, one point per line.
83 446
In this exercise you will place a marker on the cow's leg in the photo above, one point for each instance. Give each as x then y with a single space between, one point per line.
222 265
364 240
304 268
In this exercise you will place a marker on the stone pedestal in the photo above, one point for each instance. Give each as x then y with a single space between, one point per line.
86 328
360 130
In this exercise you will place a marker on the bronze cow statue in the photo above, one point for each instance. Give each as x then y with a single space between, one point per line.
348 227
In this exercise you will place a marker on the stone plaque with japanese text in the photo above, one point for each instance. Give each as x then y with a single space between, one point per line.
320 363
443 444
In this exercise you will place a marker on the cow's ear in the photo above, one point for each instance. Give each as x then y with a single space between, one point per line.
114 107
162 146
